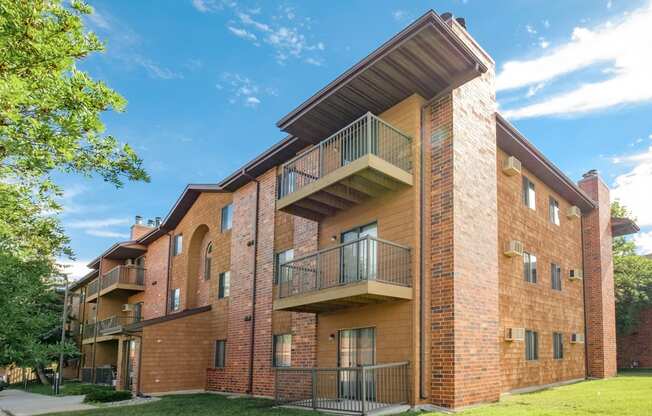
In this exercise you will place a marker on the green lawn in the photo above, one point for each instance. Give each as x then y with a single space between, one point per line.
69 388
628 394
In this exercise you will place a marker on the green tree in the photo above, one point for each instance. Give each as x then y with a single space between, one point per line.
632 277
50 123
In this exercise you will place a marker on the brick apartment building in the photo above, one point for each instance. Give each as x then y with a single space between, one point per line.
404 241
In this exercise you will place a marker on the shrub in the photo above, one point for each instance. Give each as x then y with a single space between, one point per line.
105 396
83 389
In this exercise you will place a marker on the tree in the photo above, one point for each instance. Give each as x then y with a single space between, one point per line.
632 277
50 122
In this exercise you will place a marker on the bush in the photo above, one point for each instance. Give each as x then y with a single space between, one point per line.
77 389
105 396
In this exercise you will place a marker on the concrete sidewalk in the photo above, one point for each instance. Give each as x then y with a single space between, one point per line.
20 403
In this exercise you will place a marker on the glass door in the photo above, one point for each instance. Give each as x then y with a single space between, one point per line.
359 260
357 347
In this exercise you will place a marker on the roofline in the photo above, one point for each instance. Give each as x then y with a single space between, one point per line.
191 187
536 153
227 183
88 276
429 18
109 250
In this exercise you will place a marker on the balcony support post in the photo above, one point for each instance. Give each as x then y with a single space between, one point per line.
369 121
363 370
314 388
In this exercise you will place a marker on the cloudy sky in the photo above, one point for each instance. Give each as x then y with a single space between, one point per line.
206 80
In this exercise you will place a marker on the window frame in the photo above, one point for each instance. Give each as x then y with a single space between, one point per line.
175 299
224 284
177 244
208 259
555 276
530 268
531 345
554 213
529 194
557 345
275 350
226 221
278 262
219 353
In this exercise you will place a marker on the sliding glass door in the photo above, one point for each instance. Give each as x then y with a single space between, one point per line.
357 347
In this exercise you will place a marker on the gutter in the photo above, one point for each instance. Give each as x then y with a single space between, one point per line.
586 331
250 388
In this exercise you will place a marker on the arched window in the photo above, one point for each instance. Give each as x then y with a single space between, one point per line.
208 255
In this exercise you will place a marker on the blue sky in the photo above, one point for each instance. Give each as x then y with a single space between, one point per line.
206 80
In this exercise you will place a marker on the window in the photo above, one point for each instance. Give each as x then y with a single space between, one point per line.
224 285
227 217
531 345
529 195
208 256
138 312
530 267
177 246
555 276
220 353
557 345
282 350
553 210
281 258
175 299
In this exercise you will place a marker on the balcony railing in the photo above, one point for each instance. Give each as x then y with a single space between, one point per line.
115 323
357 390
125 274
92 288
367 135
88 330
367 258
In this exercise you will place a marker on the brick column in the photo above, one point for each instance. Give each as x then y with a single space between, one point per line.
464 345
599 280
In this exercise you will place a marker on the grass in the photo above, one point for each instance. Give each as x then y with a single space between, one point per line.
628 394
69 388
197 405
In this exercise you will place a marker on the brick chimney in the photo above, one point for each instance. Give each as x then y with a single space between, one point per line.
139 229
599 279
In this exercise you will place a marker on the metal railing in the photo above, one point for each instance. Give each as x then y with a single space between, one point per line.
128 274
103 375
88 330
367 258
357 390
366 135
115 323
92 288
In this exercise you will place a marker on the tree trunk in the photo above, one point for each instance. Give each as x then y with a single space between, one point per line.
41 375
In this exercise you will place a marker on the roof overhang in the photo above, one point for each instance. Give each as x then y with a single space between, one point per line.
87 278
515 144
120 251
427 57
623 226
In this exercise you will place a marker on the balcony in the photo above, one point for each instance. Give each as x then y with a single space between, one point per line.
123 278
363 160
360 272
107 328
360 390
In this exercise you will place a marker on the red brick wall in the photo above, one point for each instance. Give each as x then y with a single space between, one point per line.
599 281
637 345
156 271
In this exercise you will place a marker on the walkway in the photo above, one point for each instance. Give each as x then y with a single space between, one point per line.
20 403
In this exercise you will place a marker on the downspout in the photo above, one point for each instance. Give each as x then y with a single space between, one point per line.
586 338
250 389
82 320
167 279
422 257
97 311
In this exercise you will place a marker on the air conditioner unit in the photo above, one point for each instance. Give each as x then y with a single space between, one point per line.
512 166
574 212
577 338
514 334
575 274
127 307
514 248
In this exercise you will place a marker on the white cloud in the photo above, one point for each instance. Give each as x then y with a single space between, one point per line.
107 234
533 89
313 61
101 223
98 20
155 70
242 33
399 15
243 90
625 44
543 43
207 6
546 23
609 4
634 188
530 29
643 241
75 269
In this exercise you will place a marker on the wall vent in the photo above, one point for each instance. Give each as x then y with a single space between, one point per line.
575 274
512 166
514 334
514 248
127 307
577 338
574 212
